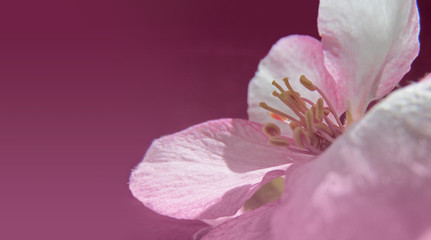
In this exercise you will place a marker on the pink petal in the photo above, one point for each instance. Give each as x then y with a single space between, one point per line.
290 57
426 78
426 235
373 183
253 225
369 45
209 170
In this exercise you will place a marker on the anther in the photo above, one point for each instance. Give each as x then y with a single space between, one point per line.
294 95
277 86
319 110
307 83
309 120
286 82
279 141
299 137
271 130
310 86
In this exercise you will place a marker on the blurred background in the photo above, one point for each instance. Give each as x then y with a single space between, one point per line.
87 85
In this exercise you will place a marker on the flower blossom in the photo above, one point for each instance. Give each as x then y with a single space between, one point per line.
341 181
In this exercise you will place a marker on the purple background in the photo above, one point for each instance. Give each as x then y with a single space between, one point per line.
86 85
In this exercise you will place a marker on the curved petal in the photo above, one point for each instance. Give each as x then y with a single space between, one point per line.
368 45
253 225
373 183
290 57
209 170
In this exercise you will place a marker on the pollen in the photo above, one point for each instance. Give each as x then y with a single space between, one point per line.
271 130
307 83
313 127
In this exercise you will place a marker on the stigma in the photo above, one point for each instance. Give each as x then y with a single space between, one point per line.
314 125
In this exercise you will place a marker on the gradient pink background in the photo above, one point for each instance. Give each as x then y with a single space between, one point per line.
86 85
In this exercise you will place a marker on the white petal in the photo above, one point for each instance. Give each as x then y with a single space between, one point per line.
369 45
209 170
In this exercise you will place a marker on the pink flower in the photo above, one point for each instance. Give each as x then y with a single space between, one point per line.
378 167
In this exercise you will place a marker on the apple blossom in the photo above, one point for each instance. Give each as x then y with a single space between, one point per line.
220 168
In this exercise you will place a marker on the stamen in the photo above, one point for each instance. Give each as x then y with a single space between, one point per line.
277 117
298 101
279 141
294 125
309 120
308 101
319 110
330 124
286 82
271 130
277 86
325 132
307 83
306 140
289 102
278 112
314 140
314 131
294 94
335 130
299 137
324 128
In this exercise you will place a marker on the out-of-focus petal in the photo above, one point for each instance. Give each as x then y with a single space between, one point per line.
426 235
373 183
426 78
253 225
290 57
209 170
368 45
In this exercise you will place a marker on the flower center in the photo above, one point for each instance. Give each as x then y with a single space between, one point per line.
313 126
